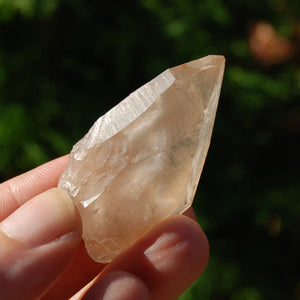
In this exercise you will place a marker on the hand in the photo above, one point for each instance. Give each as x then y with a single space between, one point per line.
42 254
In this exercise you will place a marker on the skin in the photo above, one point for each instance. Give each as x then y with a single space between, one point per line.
42 254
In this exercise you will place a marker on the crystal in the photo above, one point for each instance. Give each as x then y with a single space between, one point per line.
141 161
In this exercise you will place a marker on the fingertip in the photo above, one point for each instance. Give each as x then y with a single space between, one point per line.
181 247
179 256
42 219
43 234
18 190
168 258
118 285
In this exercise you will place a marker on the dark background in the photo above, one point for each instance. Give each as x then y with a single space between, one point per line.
63 63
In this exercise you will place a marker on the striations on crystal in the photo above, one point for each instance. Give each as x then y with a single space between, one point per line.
141 161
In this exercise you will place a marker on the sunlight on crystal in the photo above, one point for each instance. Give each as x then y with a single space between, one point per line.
141 161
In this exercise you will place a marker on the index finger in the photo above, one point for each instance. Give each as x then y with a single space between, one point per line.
18 190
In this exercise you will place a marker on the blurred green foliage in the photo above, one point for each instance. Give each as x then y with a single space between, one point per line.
64 63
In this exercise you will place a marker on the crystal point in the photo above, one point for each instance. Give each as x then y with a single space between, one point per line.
142 160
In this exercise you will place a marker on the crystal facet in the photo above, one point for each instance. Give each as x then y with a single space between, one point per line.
141 161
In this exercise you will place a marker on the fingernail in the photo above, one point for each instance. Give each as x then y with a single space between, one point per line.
42 219
175 243
163 249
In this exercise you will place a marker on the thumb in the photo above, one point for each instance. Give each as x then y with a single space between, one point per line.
37 242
